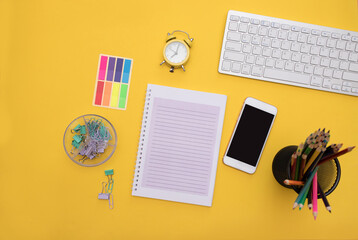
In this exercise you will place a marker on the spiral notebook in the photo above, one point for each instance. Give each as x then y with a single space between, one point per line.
179 145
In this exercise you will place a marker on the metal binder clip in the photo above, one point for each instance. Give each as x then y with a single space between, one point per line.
104 195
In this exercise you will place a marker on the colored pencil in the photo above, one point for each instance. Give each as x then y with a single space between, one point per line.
309 205
324 198
298 161
312 158
293 182
333 156
314 196
304 188
303 199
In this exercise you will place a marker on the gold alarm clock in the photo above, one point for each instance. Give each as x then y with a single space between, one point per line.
176 51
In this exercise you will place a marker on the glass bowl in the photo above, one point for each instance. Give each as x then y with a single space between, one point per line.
90 140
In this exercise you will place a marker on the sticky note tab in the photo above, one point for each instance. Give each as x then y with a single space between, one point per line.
126 70
112 73
108 172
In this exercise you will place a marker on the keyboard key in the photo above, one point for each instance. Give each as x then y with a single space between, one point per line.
296 57
276 43
256 40
250 59
289 66
279 64
234 18
315 50
236 67
233 46
292 36
350 76
263 31
315 60
276 53
321 41
243 27
327 83
247 48
338 74
341 44
334 64
343 65
354 90
246 69
295 47
316 32
295 28
312 40
282 34
353 67
336 35
286 76
273 32
325 34
331 43
256 50
318 71
286 55
245 19
346 37
346 89
233 36
308 69
336 87
299 67
253 29
266 42
245 38
257 71
305 48
233 26
328 72
275 25
270 62
226 65
306 30
333 53
255 21
324 52
302 38
347 84
305 58
343 55
353 57
350 46
260 61
234 56
325 62
265 23
316 81
266 52
354 38
285 27
285 45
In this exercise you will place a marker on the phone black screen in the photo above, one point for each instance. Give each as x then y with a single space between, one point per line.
250 135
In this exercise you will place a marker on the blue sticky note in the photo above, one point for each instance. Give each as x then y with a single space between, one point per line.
126 70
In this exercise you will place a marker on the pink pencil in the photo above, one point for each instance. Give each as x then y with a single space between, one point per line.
314 196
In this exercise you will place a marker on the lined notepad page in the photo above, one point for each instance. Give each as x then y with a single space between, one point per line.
179 145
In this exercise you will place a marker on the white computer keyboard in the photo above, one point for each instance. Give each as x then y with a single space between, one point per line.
288 52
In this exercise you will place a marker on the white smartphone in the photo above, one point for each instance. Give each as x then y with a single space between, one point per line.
250 135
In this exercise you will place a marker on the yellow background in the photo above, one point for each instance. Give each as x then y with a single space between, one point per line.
48 64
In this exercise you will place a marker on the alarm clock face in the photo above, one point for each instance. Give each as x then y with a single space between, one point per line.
176 52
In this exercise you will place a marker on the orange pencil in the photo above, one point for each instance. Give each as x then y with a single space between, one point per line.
293 182
333 156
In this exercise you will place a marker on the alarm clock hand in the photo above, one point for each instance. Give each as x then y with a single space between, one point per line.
176 51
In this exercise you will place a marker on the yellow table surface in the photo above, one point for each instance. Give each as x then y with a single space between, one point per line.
48 64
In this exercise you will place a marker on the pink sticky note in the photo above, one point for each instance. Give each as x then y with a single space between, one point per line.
102 68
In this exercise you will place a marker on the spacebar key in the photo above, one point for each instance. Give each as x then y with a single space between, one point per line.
287 76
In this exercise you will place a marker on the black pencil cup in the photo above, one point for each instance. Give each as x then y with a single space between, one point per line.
328 174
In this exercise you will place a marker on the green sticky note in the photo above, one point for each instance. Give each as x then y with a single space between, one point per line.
123 96
108 172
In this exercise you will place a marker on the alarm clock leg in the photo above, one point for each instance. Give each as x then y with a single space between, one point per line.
162 63
182 66
171 69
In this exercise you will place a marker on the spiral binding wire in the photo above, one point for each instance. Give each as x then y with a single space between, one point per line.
141 140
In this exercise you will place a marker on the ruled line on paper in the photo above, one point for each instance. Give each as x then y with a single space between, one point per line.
181 140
